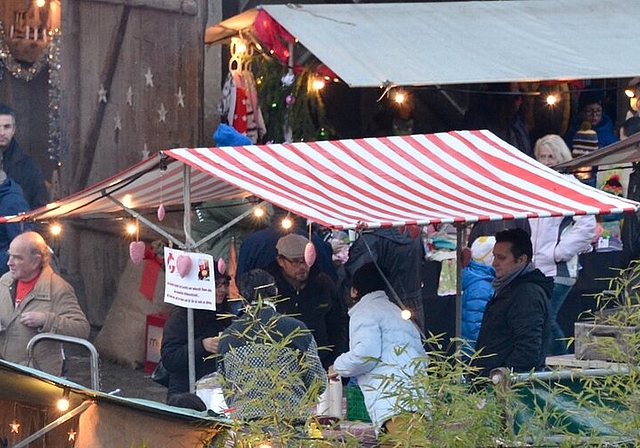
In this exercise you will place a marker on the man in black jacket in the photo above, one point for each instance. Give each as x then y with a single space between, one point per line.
515 326
19 166
311 296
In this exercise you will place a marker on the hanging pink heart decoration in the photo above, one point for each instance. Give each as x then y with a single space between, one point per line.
310 254
222 265
161 212
183 263
136 251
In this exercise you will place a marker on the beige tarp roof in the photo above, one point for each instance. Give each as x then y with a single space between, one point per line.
413 44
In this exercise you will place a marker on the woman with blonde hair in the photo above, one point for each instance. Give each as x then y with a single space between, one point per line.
557 242
551 150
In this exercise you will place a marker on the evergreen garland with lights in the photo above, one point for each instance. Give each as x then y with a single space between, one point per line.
289 103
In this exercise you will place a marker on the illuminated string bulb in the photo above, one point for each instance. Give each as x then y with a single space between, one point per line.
287 223
318 84
631 93
39 3
406 314
55 229
258 212
63 403
399 97
131 228
552 99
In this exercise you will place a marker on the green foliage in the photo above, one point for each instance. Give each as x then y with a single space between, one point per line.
448 406
303 115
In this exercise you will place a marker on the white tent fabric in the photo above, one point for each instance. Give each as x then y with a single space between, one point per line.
454 177
439 43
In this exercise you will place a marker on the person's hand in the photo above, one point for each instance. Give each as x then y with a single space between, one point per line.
332 374
33 319
211 344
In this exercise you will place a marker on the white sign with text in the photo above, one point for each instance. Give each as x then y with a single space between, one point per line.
189 279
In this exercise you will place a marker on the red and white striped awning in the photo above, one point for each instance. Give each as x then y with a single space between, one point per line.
458 176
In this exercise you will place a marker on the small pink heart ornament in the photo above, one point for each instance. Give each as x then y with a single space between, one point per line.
183 263
310 254
136 251
222 265
161 212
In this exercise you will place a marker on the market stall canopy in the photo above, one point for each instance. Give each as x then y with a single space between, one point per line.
623 152
453 177
415 44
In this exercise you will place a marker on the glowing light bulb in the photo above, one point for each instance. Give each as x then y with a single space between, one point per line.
258 212
286 223
551 99
131 228
406 314
55 229
39 3
63 404
631 93
317 84
399 97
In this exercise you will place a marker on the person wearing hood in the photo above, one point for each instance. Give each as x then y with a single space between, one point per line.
477 289
400 255
515 326
19 166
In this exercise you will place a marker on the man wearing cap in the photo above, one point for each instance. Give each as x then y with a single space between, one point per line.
311 296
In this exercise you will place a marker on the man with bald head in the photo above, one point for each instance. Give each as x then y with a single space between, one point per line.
34 299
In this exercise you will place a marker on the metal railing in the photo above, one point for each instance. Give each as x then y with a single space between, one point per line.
94 358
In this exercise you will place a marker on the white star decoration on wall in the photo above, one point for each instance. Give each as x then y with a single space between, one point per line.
162 112
149 77
102 94
130 96
180 97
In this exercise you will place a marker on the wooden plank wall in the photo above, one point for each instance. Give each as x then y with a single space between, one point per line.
114 44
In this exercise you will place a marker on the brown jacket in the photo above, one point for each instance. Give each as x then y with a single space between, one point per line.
56 298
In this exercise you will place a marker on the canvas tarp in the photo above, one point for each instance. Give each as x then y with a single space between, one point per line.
443 43
453 177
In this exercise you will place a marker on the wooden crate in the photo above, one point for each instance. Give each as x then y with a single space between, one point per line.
592 340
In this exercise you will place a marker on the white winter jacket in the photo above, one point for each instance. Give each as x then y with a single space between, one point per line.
381 344
557 255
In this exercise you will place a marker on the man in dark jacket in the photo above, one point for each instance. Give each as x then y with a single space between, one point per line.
400 256
19 166
310 296
207 326
515 326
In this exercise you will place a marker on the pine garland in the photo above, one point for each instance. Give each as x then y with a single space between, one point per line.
293 107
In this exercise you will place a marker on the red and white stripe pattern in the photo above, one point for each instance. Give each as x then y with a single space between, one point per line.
459 176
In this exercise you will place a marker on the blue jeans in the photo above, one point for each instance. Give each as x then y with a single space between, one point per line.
556 344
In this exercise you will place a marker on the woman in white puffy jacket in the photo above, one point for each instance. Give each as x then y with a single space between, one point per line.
385 352
557 242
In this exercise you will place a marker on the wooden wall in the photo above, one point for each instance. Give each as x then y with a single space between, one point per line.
147 59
